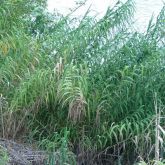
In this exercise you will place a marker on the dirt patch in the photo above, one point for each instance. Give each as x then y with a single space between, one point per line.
19 154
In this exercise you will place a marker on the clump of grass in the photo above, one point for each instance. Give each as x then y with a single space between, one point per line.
4 159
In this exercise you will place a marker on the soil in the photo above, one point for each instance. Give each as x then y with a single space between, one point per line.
21 155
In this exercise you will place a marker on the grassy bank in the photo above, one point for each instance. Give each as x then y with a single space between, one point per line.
80 87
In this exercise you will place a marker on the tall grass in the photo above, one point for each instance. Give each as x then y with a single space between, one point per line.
93 78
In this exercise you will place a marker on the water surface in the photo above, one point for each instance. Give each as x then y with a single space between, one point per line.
144 8
144 11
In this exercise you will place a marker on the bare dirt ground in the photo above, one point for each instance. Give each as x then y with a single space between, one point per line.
19 154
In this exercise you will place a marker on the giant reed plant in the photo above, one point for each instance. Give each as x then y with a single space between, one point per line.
93 77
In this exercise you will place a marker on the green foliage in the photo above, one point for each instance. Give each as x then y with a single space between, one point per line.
3 156
152 162
92 78
58 149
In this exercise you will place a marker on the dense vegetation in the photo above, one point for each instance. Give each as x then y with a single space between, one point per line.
81 87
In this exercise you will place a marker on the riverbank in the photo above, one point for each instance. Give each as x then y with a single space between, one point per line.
82 90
